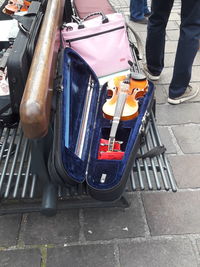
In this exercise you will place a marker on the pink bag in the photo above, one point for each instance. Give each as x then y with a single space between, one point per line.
102 41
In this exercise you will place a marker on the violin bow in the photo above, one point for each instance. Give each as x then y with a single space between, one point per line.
84 119
67 105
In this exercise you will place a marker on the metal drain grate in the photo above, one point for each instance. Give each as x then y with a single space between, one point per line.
18 183
16 180
152 173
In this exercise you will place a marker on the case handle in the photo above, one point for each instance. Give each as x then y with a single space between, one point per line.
104 19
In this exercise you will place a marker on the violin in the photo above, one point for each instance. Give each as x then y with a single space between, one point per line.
134 90
14 6
123 105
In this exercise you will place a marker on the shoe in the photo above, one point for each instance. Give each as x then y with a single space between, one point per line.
141 21
150 75
190 92
147 14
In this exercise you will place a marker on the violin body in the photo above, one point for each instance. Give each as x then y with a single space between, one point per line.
124 92
136 90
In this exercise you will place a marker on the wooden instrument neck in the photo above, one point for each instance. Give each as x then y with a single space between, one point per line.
121 100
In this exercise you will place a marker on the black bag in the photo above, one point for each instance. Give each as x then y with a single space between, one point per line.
105 179
20 58
7 118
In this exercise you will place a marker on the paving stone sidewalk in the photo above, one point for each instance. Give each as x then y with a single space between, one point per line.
160 229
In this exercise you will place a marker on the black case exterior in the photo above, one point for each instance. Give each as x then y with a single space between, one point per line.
19 60
58 161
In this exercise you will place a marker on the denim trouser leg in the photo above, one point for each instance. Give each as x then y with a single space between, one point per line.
155 42
137 9
188 46
146 9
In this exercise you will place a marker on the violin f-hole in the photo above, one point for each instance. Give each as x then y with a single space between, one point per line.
109 93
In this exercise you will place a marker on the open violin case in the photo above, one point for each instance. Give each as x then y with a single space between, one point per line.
105 178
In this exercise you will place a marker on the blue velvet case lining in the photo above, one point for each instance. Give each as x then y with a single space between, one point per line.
98 127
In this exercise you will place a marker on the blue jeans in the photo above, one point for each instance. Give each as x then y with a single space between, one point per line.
188 43
138 8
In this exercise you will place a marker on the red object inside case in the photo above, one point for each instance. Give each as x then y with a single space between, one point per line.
103 153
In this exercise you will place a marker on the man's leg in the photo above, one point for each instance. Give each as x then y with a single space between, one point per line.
188 46
155 42
137 9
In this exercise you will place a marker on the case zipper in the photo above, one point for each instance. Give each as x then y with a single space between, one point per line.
93 35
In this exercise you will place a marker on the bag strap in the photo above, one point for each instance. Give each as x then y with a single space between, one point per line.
25 22
104 19
138 41
156 151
